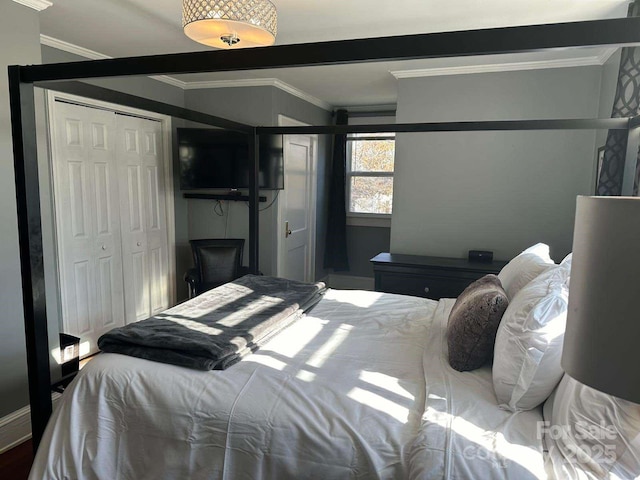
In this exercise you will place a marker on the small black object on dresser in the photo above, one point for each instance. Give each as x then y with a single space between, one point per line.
430 277
483 256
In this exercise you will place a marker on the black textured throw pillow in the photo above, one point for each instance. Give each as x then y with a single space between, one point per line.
473 323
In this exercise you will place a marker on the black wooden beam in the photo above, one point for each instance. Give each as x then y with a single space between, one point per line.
479 126
119 98
23 131
491 41
254 212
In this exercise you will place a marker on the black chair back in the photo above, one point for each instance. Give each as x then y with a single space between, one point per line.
217 261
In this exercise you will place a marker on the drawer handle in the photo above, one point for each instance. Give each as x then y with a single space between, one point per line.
426 289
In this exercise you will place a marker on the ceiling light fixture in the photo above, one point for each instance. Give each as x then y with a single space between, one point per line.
230 23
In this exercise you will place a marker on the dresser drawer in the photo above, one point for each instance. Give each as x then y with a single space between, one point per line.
430 277
433 287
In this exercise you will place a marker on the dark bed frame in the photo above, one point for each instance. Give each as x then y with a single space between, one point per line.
63 77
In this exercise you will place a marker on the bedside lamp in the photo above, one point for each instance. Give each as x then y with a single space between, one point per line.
602 340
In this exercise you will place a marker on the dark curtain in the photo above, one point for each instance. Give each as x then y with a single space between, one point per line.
625 104
335 254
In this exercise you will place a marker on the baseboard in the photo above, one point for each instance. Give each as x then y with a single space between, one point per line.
15 428
349 282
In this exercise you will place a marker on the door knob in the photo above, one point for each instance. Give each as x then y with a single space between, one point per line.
104 247
139 244
287 230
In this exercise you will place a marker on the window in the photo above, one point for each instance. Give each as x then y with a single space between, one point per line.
370 160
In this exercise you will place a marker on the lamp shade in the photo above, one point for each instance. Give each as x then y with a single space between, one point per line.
602 340
230 23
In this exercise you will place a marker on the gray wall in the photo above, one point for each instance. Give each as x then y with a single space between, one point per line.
364 243
500 191
256 106
20 40
141 86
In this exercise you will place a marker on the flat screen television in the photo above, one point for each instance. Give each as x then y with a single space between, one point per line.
220 159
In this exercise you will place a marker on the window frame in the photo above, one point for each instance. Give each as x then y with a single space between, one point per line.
365 218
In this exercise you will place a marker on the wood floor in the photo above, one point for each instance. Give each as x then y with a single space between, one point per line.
16 463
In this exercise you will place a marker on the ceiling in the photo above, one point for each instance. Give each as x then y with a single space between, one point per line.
118 28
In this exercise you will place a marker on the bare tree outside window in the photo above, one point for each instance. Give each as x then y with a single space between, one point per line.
370 173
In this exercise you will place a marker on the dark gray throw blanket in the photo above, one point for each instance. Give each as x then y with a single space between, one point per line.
216 329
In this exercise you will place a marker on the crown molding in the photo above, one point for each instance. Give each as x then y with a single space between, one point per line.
260 82
71 48
169 80
249 82
596 60
606 54
93 55
38 5
290 89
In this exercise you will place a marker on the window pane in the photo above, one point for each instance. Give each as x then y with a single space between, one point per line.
371 194
372 155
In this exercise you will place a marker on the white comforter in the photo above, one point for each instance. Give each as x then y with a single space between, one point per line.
339 394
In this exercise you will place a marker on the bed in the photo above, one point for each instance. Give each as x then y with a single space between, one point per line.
366 385
358 388
24 79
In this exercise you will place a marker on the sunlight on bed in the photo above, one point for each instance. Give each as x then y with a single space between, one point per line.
554 328
306 376
379 403
267 361
303 337
386 382
324 352
192 325
257 306
487 445
359 300
230 320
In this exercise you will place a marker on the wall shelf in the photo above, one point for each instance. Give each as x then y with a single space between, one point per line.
221 196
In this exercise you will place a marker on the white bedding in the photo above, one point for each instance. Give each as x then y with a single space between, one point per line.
464 434
339 394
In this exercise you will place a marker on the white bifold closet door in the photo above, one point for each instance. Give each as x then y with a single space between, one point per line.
110 218
143 216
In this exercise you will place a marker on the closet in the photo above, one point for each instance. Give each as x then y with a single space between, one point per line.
111 218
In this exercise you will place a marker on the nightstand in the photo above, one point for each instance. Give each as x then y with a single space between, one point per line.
430 277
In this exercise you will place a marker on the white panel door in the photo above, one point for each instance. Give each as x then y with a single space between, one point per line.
87 222
295 259
143 216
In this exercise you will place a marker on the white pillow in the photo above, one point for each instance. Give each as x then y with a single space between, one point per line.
524 268
590 434
526 360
